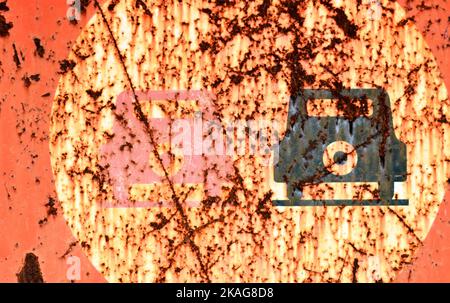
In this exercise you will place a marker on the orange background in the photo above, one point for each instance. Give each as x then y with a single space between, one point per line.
25 173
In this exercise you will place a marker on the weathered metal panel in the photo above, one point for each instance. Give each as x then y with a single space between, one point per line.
250 58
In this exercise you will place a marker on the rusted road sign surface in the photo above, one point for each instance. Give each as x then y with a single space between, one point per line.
261 141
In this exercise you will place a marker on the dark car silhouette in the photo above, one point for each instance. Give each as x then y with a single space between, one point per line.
381 156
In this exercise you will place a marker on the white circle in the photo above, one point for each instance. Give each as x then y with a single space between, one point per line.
337 168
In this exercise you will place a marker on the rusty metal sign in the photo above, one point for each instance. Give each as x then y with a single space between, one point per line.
225 141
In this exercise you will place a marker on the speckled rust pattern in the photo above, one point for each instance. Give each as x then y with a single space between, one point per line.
252 55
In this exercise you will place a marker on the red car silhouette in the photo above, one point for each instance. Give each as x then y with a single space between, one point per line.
126 156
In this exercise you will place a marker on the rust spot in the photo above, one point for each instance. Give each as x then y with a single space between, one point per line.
4 6
40 50
27 80
16 56
52 211
69 249
66 65
94 94
5 26
31 271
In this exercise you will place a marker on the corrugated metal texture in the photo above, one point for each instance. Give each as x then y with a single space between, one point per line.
253 56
